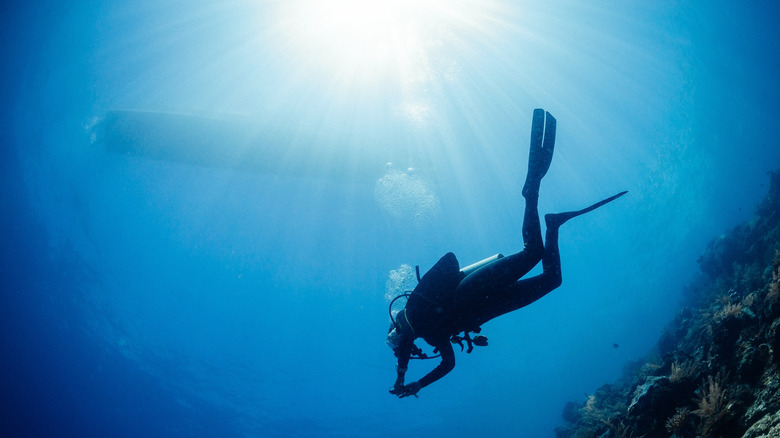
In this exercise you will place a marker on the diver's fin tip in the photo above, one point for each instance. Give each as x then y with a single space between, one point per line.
603 202
559 219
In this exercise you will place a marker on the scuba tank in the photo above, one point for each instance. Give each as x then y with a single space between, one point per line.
482 263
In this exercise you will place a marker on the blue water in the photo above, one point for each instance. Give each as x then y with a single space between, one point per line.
145 297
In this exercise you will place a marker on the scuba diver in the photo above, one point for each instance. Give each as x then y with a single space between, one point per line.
448 300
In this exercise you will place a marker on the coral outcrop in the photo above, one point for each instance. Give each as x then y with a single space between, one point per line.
716 369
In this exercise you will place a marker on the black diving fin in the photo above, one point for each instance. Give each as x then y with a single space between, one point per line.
558 219
600 203
540 155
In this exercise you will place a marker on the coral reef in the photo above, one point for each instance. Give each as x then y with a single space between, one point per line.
716 369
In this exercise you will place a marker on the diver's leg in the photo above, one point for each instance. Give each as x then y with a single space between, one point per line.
499 274
532 229
533 246
478 288
524 292
503 272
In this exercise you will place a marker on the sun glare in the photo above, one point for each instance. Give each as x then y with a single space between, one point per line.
368 38
357 36
407 49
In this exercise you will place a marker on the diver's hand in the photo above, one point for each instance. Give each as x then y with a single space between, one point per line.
410 389
397 389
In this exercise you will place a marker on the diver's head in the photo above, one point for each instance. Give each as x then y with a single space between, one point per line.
399 335
393 338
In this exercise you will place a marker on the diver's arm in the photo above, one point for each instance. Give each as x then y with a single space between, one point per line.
445 366
401 367
403 354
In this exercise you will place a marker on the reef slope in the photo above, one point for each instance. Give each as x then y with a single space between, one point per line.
716 369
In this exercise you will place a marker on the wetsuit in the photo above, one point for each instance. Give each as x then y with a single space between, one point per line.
446 302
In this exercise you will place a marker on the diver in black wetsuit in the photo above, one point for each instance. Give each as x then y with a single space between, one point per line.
447 302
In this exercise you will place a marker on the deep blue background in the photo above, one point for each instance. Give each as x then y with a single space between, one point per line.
153 298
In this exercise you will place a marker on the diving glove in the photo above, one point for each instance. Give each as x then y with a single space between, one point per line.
410 389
